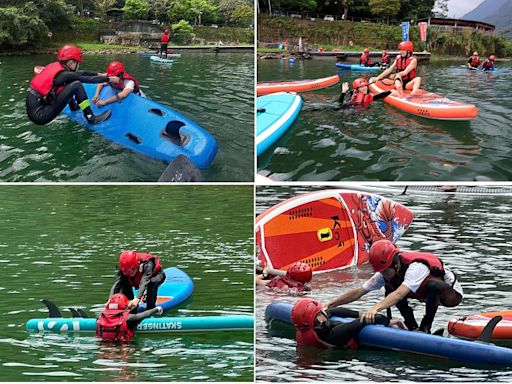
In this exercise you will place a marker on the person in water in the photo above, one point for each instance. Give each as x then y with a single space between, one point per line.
313 325
384 59
60 84
488 64
406 275
164 43
361 95
473 61
365 60
404 67
117 323
127 85
296 278
141 271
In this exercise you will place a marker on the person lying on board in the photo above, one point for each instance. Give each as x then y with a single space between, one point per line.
488 64
141 271
406 275
365 60
313 325
405 66
117 323
361 95
296 278
127 85
60 84
473 61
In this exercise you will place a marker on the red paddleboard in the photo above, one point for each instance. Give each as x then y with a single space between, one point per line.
330 229
470 327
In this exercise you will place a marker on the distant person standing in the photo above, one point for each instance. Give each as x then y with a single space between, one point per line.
165 41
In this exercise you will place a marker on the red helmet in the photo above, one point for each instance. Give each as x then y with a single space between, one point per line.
117 301
359 82
304 312
115 68
406 46
69 52
366 50
300 272
128 263
492 57
381 254
166 31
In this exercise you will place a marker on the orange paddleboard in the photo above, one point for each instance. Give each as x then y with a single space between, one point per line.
295 85
470 327
330 229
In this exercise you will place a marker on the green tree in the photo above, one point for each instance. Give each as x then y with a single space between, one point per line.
103 6
21 27
415 9
243 15
159 8
136 9
54 13
183 32
226 7
192 10
386 8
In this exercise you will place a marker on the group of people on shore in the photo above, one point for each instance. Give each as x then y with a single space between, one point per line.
403 276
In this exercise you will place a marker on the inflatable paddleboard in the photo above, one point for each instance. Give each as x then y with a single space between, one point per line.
275 114
295 85
160 60
149 54
176 288
379 336
356 67
425 104
470 327
329 229
151 325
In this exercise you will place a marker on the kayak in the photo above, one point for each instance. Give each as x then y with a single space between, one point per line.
356 67
295 85
160 60
379 336
329 229
176 288
275 114
149 54
150 128
425 104
470 327
151 325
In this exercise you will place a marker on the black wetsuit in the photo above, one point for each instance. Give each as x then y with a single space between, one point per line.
349 104
135 318
148 284
42 111
338 333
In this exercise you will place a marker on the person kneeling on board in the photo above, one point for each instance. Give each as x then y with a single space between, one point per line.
406 275
488 64
384 59
473 61
59 84
296 278
313 325
141 271
127 85
361 95
405 66
117 323
365 60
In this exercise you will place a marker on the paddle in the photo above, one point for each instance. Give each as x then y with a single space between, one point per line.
272 271
180 170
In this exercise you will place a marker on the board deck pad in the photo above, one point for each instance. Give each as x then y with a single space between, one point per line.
328 230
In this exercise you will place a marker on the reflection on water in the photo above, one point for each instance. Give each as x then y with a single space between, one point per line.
383 143
470 233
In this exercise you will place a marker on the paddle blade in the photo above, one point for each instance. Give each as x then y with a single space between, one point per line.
181 170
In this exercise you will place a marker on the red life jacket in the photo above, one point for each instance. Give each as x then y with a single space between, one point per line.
358 98
402 63
365 59
112 325
142 258
165 39
488 64
283 282
475 61
385 58
43 82
429 259
127 76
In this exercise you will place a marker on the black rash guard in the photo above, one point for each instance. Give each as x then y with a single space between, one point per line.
135 318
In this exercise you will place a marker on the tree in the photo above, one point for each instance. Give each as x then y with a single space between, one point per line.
54 13
441 8
103 6
183 32
386 8
136 9
243 15
415 9
21 27
191 10
159 8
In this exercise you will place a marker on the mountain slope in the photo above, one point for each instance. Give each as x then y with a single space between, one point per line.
496 12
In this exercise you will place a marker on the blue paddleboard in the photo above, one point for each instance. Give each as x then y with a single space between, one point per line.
275 114
149 54
355 67
150 128
379 336
160 60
